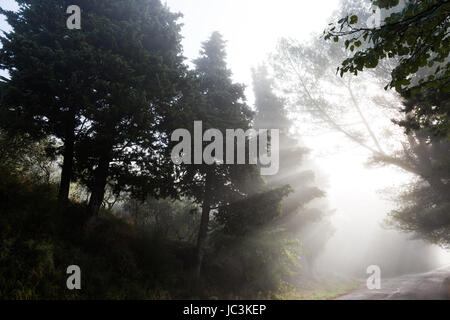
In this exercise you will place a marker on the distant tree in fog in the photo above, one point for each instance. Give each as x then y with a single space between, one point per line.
417 35
299 218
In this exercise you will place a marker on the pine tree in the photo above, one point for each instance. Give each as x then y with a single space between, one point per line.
225 108
44 95
220 104
105 90
423 206
138 80
296 217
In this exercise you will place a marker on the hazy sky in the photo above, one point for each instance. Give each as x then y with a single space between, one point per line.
251 27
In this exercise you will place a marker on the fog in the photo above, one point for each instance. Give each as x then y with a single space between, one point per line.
360 197
357 194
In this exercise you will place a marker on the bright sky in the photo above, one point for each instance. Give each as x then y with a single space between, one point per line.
7 5
251 27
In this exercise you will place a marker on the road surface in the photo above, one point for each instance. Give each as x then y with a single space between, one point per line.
421 286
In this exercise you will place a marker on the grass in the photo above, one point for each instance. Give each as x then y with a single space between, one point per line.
320 288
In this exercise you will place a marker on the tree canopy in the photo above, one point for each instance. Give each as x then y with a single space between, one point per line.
416 35
105 90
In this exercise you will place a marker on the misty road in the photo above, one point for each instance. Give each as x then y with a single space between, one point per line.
421 286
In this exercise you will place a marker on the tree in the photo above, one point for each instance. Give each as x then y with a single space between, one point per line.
25 156
413 42
423 206
298 218
420 106
175 220
138 80
260 237
105 90
220 105
48 81
417 35
307 75
216 185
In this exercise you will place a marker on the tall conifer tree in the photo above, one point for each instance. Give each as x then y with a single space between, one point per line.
104 90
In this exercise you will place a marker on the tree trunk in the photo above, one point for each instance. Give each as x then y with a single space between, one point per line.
66 172
98 190
203 231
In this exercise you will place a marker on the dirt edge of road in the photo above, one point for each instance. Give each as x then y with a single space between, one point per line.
447 286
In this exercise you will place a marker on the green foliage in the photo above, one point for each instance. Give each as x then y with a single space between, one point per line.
416 35
22 154
118 261
255 211
256 263
271 112
176 220
137 78
423 207
220 105
106 99
412 39
104 91
424 212
431 112
295 217
123 261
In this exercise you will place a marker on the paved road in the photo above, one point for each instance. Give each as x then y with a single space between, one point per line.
422 286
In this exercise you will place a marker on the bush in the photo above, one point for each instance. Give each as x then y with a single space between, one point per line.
117 260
